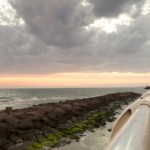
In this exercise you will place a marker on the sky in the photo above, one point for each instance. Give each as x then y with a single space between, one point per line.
74 43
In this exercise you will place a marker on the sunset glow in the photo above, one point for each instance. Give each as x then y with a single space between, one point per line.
113 79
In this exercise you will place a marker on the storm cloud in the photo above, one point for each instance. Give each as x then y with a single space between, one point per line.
113 8
55 38
57 23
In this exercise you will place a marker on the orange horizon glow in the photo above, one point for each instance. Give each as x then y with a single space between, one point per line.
106 79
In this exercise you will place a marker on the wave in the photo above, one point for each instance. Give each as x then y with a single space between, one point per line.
6 99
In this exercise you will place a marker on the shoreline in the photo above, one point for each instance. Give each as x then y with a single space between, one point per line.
21 127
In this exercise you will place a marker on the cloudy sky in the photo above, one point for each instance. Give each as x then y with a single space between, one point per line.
74 43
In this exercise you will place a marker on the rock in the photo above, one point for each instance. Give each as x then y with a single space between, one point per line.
74 119
27 135
109 130
8 110
4 143
147 87
68 142
91 130
81 135
76 137
103 123
18 146
111 119
46 130
96 125
64 126
25 124
15 139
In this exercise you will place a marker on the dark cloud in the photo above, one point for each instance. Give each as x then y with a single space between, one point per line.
53 40
58 23
16 41
113 8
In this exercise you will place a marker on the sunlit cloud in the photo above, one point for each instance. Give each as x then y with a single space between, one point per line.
85 3
110 25
146 8
8 15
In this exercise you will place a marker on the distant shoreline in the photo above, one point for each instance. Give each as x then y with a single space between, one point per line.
21 127
147 87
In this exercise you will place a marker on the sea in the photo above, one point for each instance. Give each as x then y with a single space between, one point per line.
23 98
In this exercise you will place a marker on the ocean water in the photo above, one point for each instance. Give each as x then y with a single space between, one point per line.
21 98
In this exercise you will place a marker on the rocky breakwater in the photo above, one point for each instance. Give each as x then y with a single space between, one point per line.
20 128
